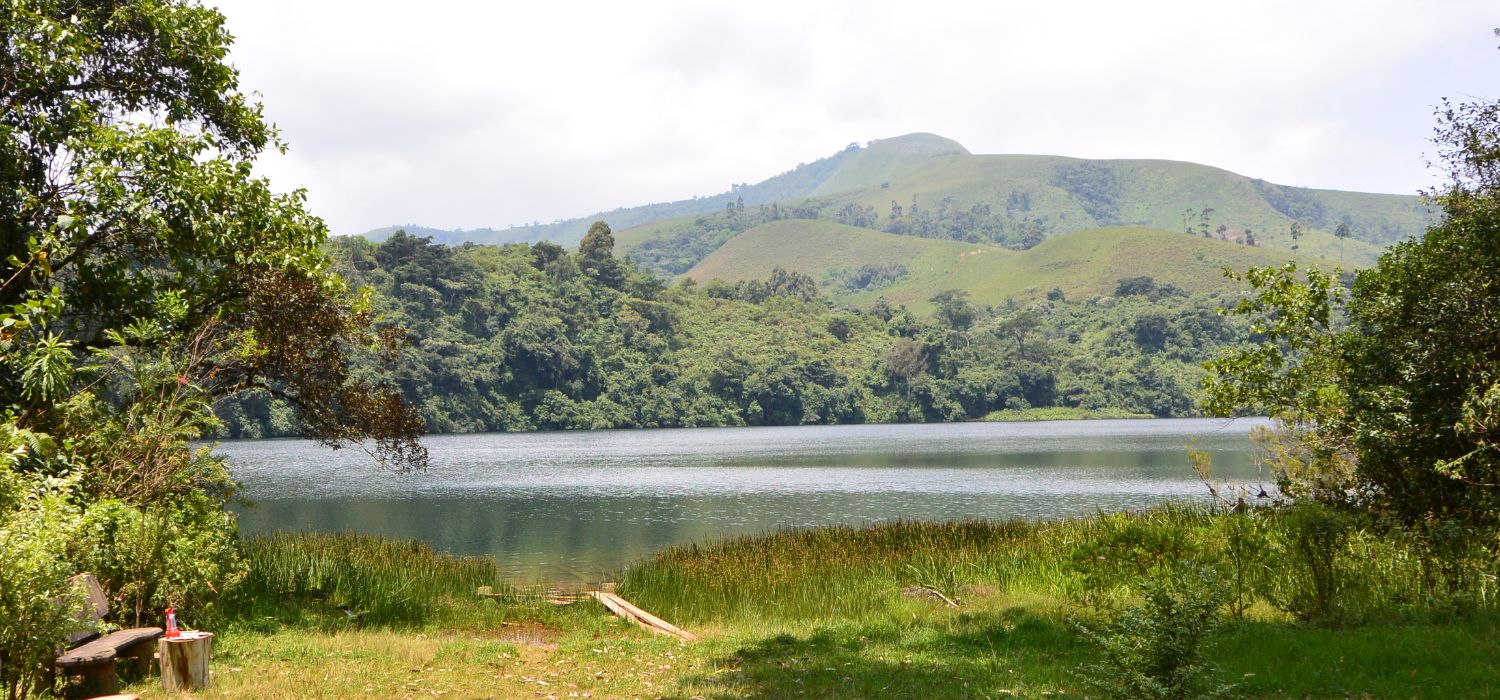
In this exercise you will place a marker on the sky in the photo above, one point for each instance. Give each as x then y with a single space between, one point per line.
458 114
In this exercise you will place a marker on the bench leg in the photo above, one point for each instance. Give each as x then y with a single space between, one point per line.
140 657
100 678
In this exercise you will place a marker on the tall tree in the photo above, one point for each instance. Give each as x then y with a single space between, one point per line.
596 255
1400 411
126 190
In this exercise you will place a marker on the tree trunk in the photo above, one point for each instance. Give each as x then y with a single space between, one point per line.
184 660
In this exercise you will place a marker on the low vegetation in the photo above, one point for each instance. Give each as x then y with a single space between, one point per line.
844 611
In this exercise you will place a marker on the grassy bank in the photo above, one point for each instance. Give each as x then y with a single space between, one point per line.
856 612
1060 413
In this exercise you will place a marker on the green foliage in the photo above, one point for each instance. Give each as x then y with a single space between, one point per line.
869 276
1125 550
1313 542
183 554
520 338
1158 649
1395 411
1095 185
147 275
38 606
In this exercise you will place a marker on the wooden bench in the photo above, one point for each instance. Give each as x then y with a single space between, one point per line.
94 657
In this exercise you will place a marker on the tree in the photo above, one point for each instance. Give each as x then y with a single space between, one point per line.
954 309
126 193
1341 233
596 256
1399 411
905 361
1019 328
149 276
1296 234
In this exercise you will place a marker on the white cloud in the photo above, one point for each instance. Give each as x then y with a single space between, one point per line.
475 114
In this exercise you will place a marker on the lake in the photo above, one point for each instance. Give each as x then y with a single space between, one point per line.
578 506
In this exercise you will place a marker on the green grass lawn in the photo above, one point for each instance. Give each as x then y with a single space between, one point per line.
833 613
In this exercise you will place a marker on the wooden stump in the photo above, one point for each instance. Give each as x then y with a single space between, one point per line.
184 660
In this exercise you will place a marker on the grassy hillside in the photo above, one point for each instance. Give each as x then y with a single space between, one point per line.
1081 264
886 160
797 183
1058 195
1070 194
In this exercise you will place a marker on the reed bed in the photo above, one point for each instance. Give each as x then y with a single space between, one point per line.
837 572
373 580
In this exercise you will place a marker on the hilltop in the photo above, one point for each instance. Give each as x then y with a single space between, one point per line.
930 186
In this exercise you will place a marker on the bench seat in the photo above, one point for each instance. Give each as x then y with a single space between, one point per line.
95 661
106 648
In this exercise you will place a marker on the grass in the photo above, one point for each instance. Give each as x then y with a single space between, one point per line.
377 580
1150 194
838 612
1084 264
1060 413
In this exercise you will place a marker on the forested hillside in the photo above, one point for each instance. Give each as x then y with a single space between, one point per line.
522 337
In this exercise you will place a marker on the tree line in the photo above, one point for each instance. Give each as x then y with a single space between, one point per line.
527 337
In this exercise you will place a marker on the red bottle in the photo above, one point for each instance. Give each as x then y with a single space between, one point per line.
172 624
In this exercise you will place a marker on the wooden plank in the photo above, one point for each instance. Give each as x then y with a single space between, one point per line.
94 593
625 609
87 655
105 649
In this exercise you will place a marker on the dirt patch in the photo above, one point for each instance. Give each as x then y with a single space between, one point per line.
531 634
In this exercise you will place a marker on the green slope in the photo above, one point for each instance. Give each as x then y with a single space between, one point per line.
1082 264
797 183
1054 194
1071 194
886 160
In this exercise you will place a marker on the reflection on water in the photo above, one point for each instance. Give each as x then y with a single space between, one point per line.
578 505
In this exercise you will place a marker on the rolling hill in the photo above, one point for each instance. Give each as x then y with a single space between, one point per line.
1081 264
1059 195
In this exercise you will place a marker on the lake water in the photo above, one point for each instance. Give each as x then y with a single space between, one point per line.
578 506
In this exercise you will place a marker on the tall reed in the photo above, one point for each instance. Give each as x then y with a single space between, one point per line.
841 571
373 579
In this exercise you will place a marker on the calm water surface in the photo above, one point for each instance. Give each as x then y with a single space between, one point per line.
580 505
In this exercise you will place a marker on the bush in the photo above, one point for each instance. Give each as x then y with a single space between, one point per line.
38 607
1312 542
1128 549
183 553
1244 538
1157 649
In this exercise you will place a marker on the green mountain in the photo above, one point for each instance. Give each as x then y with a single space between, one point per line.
793 184
924 187
855 266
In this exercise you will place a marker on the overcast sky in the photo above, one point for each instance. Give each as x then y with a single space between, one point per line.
473 114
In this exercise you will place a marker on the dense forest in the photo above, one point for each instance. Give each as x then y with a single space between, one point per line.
525 337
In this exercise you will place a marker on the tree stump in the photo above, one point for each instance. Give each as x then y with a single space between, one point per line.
184 660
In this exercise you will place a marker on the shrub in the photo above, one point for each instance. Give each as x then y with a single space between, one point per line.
182 553
1157 649
38 607
1128 549
1311 543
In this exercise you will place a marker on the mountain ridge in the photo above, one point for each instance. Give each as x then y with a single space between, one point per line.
1076 193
